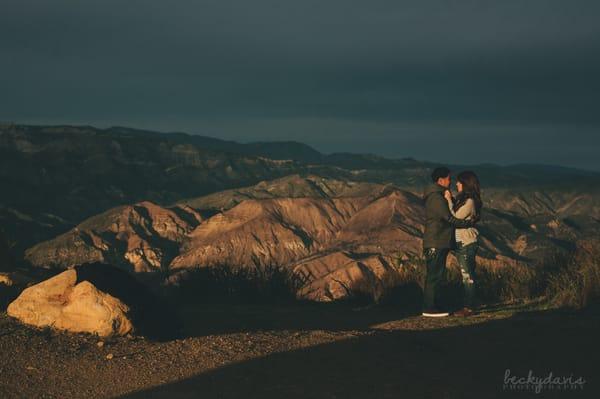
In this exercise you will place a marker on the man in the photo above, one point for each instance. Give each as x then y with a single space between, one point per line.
438 238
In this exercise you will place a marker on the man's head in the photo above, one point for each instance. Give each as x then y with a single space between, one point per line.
441 176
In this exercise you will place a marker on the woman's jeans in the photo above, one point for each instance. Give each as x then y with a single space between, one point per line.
465 256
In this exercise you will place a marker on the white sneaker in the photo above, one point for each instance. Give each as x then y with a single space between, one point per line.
435 313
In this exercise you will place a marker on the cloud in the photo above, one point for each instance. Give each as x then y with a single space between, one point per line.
446 65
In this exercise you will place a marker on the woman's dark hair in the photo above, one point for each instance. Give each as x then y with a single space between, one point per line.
471 189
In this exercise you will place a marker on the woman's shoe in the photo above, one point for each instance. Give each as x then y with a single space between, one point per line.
464 312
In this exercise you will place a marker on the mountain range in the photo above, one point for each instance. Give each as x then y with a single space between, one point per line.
333 233
149 201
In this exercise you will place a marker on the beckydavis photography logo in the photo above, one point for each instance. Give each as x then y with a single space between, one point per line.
537 384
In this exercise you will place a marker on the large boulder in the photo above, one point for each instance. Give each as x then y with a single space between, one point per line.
64 303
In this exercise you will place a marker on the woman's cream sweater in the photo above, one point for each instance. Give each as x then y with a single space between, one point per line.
466 211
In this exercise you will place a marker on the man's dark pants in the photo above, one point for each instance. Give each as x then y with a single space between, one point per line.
436 272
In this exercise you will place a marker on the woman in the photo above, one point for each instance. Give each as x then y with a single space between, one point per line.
467 205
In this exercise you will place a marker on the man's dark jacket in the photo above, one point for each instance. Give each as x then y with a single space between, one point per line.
439 222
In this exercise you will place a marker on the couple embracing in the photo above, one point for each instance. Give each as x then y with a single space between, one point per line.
450 226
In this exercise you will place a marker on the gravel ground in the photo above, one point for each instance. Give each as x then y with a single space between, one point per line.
304 351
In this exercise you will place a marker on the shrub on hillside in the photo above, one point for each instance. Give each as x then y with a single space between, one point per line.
507 282
575 282
565 279
264 284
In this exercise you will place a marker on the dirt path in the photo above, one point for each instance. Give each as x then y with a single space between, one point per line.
307 352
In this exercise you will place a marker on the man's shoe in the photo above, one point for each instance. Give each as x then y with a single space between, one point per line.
435 313
464 312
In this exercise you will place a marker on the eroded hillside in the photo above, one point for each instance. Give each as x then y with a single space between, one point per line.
334 233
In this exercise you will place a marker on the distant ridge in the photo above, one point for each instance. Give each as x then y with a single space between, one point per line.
295 150
54 177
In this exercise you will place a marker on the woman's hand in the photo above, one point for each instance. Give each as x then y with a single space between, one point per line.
448 195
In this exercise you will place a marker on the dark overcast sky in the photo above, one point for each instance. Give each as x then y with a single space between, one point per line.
457 81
